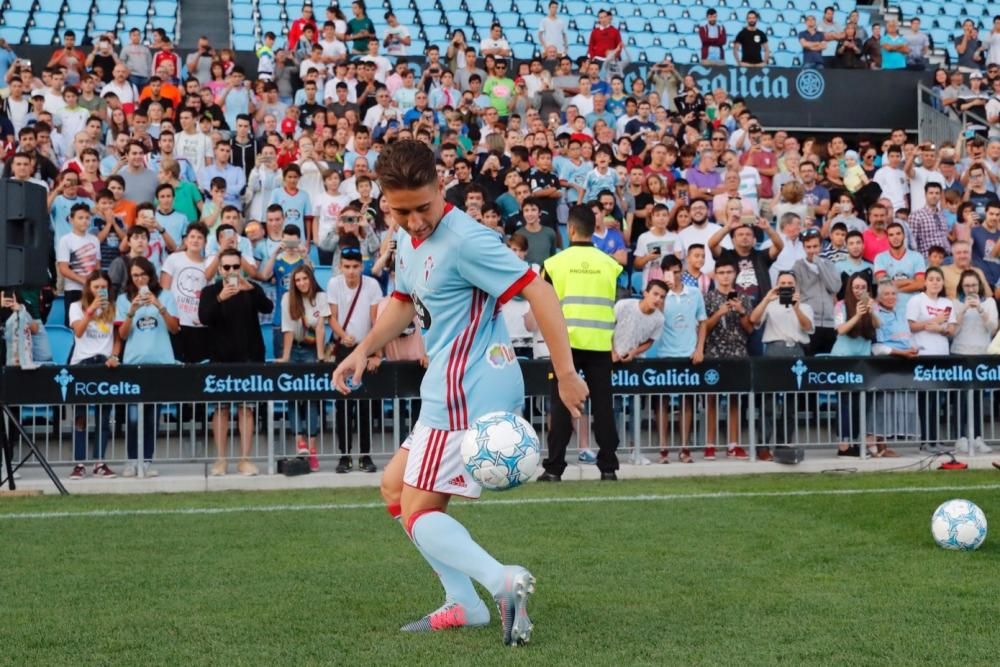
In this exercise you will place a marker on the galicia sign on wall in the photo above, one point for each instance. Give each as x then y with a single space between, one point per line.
804 99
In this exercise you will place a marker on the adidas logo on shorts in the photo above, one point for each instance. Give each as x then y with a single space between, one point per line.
458 481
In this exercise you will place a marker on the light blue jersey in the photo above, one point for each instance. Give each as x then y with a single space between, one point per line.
910 266
683 313
296 207
457 279
175 224
597 182
148 340
575 174
59 214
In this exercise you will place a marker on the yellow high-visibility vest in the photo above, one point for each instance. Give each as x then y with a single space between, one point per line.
585 279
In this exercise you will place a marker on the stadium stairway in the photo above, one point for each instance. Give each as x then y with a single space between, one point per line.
203 17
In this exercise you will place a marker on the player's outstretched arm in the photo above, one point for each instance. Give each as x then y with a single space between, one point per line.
397 316
548 314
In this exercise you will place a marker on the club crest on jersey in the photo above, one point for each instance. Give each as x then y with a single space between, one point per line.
428 267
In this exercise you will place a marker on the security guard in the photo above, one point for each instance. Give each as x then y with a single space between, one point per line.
585 281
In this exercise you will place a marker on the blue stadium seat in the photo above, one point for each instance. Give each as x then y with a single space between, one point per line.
323 274
523 50
165 8
137 7
45 19
477 5
482 19
268 335
76 22
105 22
673 11
13 17
456 18
244 42
41 35
585 22
243 26
577 8
406 16
642 40
129 22
685 26
655 54
61 342
107 6
11 33
784 58
270 12
436 34
508 20
684 56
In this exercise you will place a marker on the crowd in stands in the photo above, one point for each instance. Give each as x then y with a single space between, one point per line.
193 204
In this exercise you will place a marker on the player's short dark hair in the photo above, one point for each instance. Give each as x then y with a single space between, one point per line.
406 164
581 218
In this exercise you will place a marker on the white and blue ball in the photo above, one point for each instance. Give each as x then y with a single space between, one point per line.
500 450
959 525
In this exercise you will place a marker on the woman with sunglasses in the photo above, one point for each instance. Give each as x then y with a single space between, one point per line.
146 316
304 311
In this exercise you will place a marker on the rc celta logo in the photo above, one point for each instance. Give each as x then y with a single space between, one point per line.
799 369
802 372
63 379
66 381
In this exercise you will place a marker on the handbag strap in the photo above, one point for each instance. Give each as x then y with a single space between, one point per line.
354 302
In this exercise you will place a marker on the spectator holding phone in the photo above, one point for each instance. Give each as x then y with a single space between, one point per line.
304 311
230 308
184 275
856 323
656 243
145 316
728 330
818 281
94 343
976 322
277 269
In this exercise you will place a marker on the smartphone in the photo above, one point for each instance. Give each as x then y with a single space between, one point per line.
748 220
785 296
144 291
656 250
733 296
392 245
102 294
232 281
291 244
765 210
228 233
810 211
866 298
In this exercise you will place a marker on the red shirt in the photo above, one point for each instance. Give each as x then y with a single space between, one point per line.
298 26
603 40
874 244
167 56
767 160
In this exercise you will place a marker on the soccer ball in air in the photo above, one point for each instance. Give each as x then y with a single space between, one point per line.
500 450
958 525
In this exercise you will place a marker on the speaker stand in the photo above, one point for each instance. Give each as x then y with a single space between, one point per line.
7 417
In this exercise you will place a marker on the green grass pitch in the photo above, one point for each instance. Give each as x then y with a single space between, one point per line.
755 575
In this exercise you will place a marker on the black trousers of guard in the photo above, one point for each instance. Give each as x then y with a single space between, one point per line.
596 367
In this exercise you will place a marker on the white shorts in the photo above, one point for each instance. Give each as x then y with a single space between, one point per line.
435 462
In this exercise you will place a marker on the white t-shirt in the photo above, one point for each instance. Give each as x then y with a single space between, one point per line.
490 43
668 243
340 295
396 46
333 49
553 31
82 253
921 308
513 317
894 185
187 281
633 327
314 312
98 338
194 148
992 41
692 235
125 92
327 209
921 177
382 66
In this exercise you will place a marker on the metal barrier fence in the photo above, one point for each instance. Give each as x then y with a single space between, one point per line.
173 414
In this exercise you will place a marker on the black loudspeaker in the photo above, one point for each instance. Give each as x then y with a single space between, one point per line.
25 235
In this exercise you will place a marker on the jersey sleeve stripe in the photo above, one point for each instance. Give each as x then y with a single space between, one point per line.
517 287
401 296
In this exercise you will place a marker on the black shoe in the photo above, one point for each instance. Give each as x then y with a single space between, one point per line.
549 477
366 464
609 476
344 465
853 450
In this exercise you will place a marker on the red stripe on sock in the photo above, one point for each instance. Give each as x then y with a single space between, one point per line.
413 519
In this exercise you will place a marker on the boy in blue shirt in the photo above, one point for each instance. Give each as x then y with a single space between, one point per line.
905 268
293 201
278 269
454 274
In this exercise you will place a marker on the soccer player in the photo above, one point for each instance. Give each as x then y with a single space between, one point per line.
454 274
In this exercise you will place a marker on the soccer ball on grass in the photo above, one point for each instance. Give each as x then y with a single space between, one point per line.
500 450
959 525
